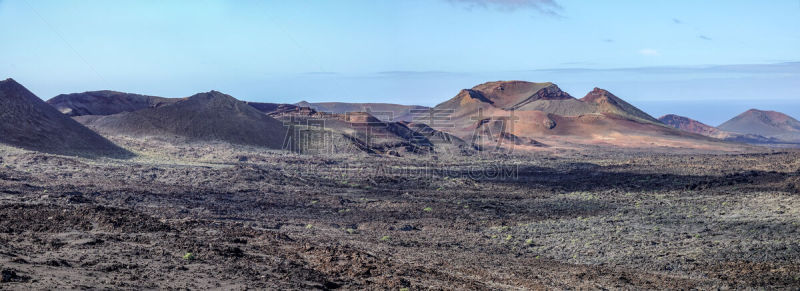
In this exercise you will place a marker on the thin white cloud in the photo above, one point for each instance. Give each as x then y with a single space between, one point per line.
649 52
549 7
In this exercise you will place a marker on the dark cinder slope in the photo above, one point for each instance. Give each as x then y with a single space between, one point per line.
766 123
105 102
208 116
383 111
28 122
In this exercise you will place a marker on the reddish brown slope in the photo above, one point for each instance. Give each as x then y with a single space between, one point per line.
545 113
546 97
691 125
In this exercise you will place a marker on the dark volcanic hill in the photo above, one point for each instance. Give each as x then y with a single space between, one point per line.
105 102
28 122
544 113
383 111
206 117
766 123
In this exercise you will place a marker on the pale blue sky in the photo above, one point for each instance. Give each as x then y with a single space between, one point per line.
678 53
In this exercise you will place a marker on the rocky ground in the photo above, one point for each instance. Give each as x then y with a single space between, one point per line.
231 217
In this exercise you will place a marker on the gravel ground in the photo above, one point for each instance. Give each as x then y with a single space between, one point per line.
233 217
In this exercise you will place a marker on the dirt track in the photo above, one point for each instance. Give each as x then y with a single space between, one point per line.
274 220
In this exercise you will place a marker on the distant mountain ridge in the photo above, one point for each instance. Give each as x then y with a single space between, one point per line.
542 113
389 112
